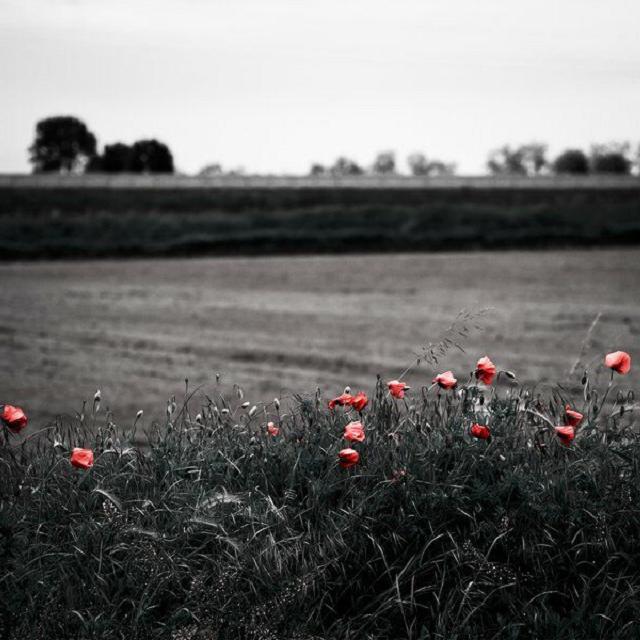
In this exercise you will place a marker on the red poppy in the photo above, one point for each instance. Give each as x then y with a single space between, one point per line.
272 429
397 388
480 431
344 399
348 458
82 458
354 432
13 417
573 418
359 401
566 434
619 361
445 380
485 370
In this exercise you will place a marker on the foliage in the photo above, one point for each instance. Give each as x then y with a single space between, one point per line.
419 165
346 167
151 156
218 530
611 158
62 144
525 160
571 161
384 163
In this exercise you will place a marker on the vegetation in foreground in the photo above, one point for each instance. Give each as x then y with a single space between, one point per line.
475 509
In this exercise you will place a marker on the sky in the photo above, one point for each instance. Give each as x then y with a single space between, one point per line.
272 85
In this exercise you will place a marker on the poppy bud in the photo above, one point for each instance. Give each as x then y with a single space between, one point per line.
276 404
252 410
348 458
82 458
619 361
244 405
13 417
139 415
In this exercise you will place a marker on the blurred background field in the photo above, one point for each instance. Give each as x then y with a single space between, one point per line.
278 325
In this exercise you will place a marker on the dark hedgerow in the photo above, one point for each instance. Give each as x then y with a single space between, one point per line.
218 529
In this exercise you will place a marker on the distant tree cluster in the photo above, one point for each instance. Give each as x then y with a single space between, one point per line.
64 144
384 164
531 160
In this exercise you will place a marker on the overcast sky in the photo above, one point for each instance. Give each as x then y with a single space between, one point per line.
274 85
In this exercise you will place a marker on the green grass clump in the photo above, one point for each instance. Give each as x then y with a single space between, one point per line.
218 530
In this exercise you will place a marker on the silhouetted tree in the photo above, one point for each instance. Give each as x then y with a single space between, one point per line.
214 169
507 161
116 158
418 164
611 158
385 163
317 169
345 167
534 157
151 156
62 144
571 161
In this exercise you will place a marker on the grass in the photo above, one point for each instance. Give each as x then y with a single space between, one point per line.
218 530
101 222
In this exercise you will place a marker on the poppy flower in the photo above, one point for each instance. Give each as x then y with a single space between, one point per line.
354 432
445 380
13 417
359 401
485 370
342 400
82 458
566 434
272 429
572 418
397 388
619 361
480 431
348 458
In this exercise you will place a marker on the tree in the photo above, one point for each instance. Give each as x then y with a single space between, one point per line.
209 170
534 157
317 170
507 161
151 156
571 161
345 167
385 163
62 144
116 158
611 158
420 166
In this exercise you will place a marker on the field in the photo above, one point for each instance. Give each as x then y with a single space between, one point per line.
137 328
181 220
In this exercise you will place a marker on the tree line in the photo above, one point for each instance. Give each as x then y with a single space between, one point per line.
64 144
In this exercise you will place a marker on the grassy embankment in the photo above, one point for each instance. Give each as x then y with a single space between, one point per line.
59 222
220 530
